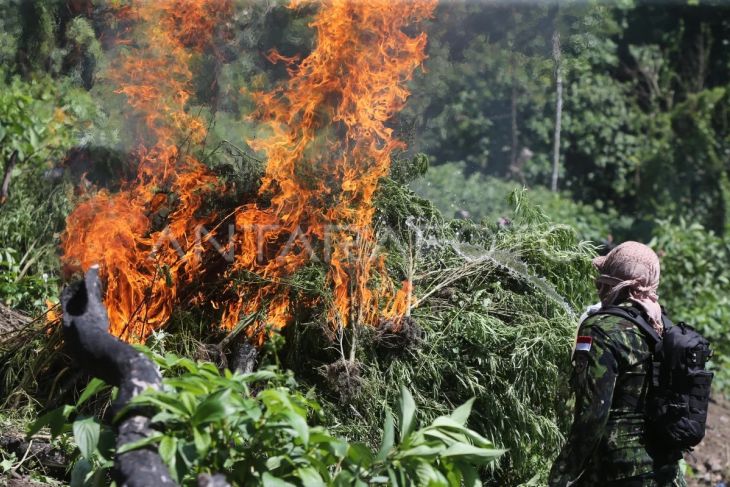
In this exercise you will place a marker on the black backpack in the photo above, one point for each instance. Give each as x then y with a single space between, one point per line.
679 394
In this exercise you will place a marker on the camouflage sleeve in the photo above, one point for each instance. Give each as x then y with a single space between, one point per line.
595 368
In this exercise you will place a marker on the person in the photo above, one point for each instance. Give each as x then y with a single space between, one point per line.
608 443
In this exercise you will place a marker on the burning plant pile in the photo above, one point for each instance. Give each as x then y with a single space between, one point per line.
327 148
369 286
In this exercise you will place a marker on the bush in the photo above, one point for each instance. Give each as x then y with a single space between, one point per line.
695 285
254 429
484 198
495 319
41 121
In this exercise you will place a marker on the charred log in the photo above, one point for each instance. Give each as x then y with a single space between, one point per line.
85 330
11 321
53 460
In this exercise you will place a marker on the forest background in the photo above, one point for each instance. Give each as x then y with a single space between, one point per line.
643 153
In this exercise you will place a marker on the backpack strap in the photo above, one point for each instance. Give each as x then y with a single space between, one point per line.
633 315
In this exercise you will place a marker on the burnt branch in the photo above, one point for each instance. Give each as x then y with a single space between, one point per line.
87 339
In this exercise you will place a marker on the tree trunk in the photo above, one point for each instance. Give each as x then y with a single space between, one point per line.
513 116
558 110
5 189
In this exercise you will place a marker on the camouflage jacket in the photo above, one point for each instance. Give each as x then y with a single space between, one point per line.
611 376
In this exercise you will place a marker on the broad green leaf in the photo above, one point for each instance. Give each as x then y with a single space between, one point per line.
310 477
161 400
154 437
187 364
81 470
171 360
33 138
271 481
201 438
360 455
272 463
187 453
393 476
189 402
461 414
166 417
186 384
53 419
343 479
94 386
388 438
213 408
445 436
407 413
471 453
86 434
470 474
444 422
429 475
107 443
421 451
168 452
299 425
259 375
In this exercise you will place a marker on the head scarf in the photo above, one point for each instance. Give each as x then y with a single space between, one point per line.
633 267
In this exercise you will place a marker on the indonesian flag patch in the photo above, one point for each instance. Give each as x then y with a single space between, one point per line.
583 344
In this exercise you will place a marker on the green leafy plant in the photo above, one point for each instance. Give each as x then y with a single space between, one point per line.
93 442
254 429
695 285
20 288
41 117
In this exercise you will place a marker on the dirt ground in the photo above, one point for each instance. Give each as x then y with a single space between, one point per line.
710 460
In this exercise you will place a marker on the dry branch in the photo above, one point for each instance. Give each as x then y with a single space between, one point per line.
10 321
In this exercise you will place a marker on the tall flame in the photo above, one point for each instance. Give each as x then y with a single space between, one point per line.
141 261
328 147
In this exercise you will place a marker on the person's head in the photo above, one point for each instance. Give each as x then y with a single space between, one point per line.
630 272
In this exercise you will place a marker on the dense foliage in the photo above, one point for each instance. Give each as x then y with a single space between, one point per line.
645 94
256 430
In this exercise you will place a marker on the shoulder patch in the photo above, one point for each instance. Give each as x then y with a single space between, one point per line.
583 343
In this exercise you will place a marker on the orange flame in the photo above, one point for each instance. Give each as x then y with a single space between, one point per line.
144 264
329 145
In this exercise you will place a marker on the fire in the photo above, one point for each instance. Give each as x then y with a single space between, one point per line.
118 231
328 147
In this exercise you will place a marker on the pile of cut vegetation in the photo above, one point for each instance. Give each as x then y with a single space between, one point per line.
493 316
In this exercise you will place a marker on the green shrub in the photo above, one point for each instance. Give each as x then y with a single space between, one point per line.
41 120
254 429
485 198
695 284
495 320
